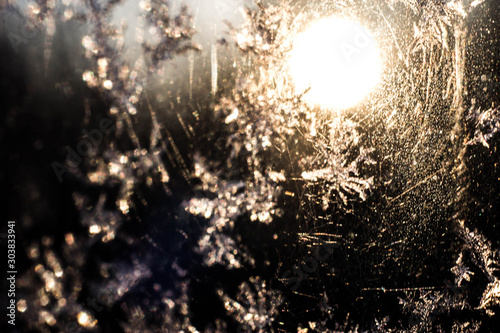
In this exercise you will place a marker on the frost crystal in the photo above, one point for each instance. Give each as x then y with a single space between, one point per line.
255 305
487 124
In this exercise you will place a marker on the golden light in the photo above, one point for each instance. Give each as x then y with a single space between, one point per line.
336 63
85 319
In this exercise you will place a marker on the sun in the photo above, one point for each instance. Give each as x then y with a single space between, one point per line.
335 63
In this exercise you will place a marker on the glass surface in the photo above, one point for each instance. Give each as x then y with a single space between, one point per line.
250 166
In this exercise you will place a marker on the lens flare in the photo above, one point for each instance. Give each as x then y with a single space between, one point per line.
335 63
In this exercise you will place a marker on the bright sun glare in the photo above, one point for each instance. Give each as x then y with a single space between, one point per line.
336 61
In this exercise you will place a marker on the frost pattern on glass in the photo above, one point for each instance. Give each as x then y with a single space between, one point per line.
255 305
408 146
487 124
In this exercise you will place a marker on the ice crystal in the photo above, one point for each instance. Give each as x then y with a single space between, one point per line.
334 169
484 255
491 296
255 305
172 35
233 199
487 124
122 278
430 306
487 258
461 271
